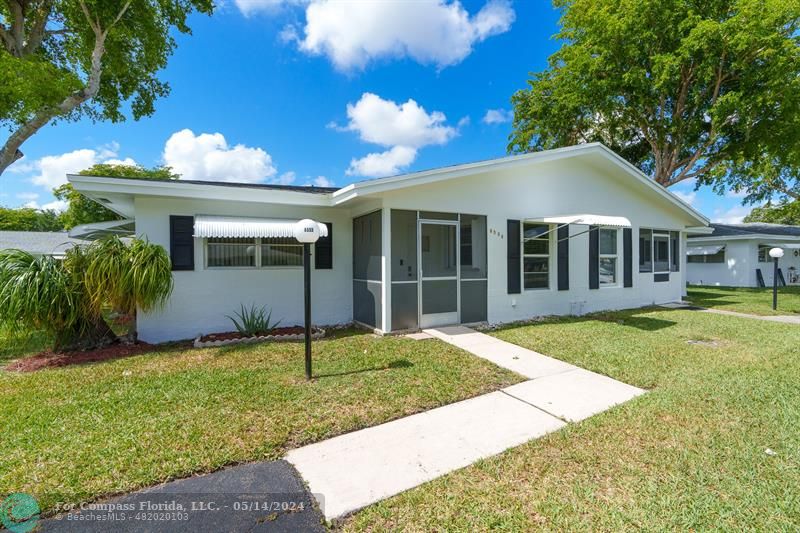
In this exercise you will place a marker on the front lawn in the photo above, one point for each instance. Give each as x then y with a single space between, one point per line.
84 431
714 445
746 300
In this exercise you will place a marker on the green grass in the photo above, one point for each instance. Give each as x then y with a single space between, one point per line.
689 455
16 342
746 300
84 431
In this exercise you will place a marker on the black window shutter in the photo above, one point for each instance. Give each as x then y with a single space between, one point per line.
627 257
594 257
674 238
181 242
562 234
513 256
323 250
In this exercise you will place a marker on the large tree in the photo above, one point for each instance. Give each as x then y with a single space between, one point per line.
29 219
706 89
67 59
83 210
784 213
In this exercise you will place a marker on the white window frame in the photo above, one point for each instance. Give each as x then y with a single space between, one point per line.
257 259
767 258
548 255
615 256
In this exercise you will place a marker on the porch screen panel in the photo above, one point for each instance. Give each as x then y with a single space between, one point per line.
439 296
367 242
473 247
405 285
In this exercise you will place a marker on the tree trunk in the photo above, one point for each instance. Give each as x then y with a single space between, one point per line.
88 335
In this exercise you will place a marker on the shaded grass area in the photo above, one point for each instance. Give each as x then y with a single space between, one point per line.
746 300
16 342
81 432
689 455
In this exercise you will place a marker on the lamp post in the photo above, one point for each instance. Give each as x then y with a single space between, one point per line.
775 254
306 231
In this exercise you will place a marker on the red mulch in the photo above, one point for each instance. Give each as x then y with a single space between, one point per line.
49 359
292 330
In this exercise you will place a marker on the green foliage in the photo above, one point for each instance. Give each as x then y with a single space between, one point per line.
66 297
253 321
683 89
29 219
83 210
785 213
136 48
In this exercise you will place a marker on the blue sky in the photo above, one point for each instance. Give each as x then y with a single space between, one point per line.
309 91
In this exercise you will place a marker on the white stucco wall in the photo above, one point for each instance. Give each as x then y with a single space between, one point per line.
741 262
202 298
566 187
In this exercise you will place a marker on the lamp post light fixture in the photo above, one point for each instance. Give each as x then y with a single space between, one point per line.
775 254
306 231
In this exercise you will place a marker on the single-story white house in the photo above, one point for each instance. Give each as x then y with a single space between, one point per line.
564 231
737 255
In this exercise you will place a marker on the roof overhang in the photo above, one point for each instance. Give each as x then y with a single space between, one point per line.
749 237
786 245
98 230
595 150
586 220
207 226
704 250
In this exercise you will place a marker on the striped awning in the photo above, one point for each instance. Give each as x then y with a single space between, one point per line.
206 226
587 220
704 250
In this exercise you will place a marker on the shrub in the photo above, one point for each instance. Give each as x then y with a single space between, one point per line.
253 321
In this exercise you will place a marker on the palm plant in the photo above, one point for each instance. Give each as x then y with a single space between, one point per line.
253 320
66 297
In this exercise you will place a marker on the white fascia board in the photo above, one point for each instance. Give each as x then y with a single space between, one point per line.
391 183
751 237
134 187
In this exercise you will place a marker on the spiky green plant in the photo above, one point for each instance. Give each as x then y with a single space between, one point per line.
253 320
66 297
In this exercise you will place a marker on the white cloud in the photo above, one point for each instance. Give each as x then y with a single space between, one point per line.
56 205
464 122
688 197
734 215
207 157
386 123
380 164
322 181
51 170
30 196
251 7
497 116
287 178
736 194
403 128
437 32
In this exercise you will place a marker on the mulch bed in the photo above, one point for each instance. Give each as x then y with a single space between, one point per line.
292 330
49 359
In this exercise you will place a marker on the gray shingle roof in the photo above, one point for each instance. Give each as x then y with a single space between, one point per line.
38 242
751 228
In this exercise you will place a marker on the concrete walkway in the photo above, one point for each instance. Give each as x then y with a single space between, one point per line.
354 470
783 319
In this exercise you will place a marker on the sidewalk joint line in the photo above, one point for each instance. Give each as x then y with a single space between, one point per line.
535 406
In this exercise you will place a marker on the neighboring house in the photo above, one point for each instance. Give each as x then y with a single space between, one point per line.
564 231
38 243
734 254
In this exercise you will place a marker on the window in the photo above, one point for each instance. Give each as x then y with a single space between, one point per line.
718 257
763 254
231 252
661 245
253 253
645 250
608 256
536 256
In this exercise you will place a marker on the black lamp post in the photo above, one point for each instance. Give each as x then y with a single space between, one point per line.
307 232
775 254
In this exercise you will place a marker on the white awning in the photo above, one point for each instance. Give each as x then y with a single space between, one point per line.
587 220
243 227
704 250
